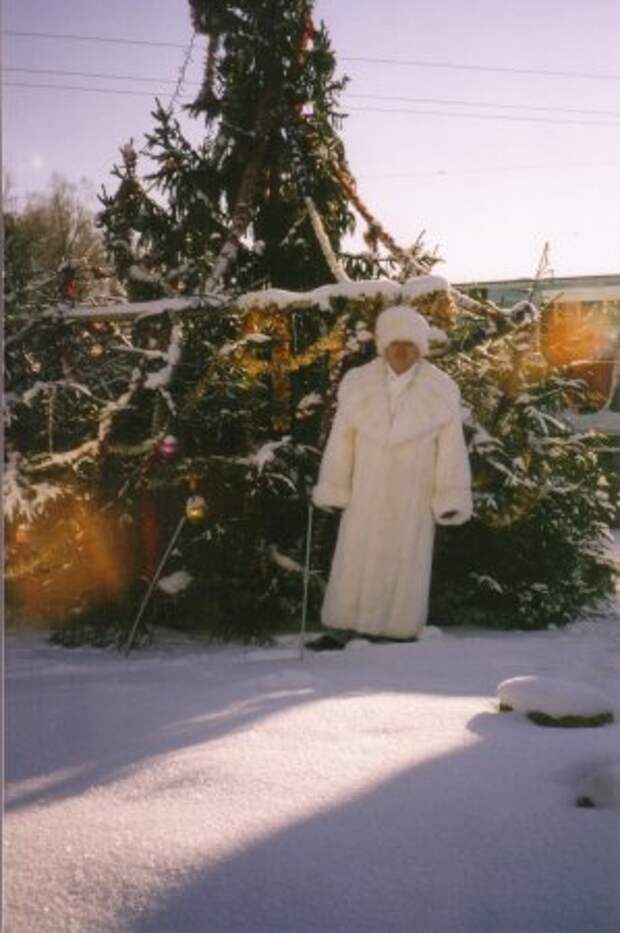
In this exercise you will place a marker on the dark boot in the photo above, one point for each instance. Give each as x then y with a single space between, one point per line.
327 643
384 640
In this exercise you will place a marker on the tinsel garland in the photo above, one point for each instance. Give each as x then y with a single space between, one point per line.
273 322
377 229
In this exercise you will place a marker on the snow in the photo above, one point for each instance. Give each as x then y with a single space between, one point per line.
265 454
553 696
390 291
284 561
192 787
38 387
139 274
175 582
334 265
161 378
22 498
119 311
602 787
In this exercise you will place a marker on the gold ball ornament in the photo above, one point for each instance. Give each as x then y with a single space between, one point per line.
196 509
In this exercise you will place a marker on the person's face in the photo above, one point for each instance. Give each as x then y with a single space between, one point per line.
401 355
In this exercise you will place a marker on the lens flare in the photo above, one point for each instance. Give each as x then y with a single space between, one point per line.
577 335
72 557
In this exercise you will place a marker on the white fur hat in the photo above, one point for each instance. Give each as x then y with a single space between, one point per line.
402 322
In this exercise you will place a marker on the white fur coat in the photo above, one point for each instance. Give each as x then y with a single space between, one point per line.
394 476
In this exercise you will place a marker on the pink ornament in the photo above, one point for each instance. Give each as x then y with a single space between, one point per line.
168 447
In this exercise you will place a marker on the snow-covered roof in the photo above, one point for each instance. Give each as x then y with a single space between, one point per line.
606 421
570 295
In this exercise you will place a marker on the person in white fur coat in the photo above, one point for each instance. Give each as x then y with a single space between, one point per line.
396 463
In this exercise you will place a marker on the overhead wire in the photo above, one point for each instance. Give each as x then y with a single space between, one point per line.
501 69
491 169
59 72
387 110
487 104
75 87
72 37
483 116
417 63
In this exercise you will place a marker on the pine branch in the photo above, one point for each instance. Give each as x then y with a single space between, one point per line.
405 257
246 195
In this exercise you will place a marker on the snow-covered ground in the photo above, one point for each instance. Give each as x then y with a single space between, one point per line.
192 789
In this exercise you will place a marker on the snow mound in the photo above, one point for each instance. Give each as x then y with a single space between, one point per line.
430 631
601 788
175 582
548 701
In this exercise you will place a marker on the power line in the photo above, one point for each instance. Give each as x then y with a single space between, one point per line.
92 74
481 116
74 87
78 38
491 169
389 110
474 103
382 97
415 63
590 75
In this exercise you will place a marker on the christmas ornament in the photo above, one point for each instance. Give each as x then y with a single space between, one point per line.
195 509
168 447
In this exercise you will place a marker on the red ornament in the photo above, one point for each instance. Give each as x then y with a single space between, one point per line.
168 447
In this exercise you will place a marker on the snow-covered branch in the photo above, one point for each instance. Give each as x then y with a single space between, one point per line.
161 378
130 311
335 266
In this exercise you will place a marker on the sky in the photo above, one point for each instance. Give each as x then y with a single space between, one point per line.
472 141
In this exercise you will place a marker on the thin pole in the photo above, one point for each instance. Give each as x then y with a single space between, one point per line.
304 611
152 585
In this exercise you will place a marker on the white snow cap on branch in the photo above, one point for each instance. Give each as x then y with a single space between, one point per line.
175 582
134 309
39 387
86 451
161 378
335 267
22 499
266 453
112 408
140 274
284 561
391 292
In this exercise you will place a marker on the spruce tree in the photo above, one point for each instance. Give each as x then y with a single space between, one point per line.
218 379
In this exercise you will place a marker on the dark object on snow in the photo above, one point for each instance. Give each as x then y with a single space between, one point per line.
565 722
384 640
570 722
326 643
585 802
